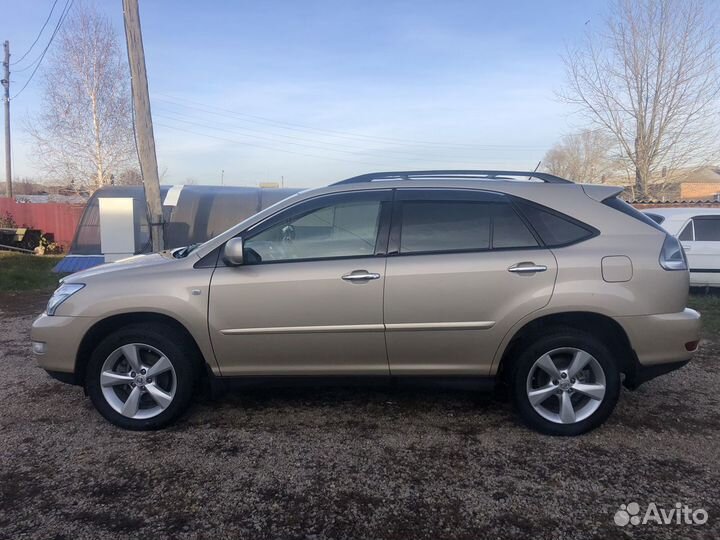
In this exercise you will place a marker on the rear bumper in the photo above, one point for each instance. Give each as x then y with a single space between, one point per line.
704 279
640 374
661 343
662 338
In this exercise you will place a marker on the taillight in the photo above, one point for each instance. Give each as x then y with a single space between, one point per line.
672 256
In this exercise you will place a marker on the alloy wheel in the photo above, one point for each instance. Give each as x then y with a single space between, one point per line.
138 381
566 385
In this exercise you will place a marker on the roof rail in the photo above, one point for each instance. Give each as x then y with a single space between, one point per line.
453 175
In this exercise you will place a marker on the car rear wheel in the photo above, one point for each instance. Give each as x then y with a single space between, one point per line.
565 383
141 378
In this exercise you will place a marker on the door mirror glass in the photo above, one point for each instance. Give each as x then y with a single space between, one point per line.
233 252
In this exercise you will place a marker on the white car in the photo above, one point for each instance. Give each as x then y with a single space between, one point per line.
698 230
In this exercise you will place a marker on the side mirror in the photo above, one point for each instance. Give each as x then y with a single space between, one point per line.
233 252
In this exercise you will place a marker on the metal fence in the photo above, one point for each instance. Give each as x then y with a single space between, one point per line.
60 219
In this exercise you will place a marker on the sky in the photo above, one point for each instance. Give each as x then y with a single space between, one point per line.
309 92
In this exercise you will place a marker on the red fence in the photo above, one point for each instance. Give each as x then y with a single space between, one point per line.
60 219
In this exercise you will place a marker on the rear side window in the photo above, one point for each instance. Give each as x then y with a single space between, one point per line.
444 226
438 226
687 233
707 229
555 229
509 231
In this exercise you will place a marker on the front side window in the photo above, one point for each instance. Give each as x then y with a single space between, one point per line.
442 226
346 229
707 229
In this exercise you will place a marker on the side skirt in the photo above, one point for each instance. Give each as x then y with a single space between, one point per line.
221 385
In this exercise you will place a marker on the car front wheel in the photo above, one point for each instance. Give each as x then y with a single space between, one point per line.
141 378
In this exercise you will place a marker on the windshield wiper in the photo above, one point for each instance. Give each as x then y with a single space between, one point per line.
185 251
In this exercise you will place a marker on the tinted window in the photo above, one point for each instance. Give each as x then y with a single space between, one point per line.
553 228
707 229
625 208
444 226
657 218
432 226
340 230
687 234
509 231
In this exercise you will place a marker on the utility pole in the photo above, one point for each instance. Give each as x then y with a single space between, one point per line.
6 84
145 138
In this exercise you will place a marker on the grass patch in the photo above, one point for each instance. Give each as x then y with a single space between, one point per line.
23 272
709 307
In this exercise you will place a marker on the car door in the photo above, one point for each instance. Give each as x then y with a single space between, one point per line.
462 267
308 299
687 239
703 251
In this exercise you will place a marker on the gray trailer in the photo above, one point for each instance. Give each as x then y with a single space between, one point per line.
114 224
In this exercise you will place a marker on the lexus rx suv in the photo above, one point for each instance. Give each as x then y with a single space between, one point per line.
559 292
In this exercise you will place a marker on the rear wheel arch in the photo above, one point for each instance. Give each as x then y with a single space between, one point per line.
606 328
104 327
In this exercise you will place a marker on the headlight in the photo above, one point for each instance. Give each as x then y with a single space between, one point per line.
64 292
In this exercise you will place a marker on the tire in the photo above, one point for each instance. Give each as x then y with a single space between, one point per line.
156 349
554 392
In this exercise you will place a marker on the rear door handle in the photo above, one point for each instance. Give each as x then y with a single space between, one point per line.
361 275
527 268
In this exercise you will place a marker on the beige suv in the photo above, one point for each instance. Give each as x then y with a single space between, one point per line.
558 290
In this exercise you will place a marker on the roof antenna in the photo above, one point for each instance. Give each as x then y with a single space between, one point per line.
537 166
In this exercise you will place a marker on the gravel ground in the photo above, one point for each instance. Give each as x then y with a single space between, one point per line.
348 463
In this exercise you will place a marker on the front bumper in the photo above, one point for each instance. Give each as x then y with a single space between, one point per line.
61 338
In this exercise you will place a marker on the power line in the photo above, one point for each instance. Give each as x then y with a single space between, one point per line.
244 143
355 152
275 149
52 9
63 15
339 134
351 148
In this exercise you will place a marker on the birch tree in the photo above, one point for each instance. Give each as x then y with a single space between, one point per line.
83 133
649 78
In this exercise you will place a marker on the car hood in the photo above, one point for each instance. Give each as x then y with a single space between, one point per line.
123 265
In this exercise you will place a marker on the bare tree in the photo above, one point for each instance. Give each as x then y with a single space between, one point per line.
127 177
585 156
83 134
650 79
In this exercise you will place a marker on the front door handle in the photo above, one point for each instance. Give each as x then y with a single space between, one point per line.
527 268
361 275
